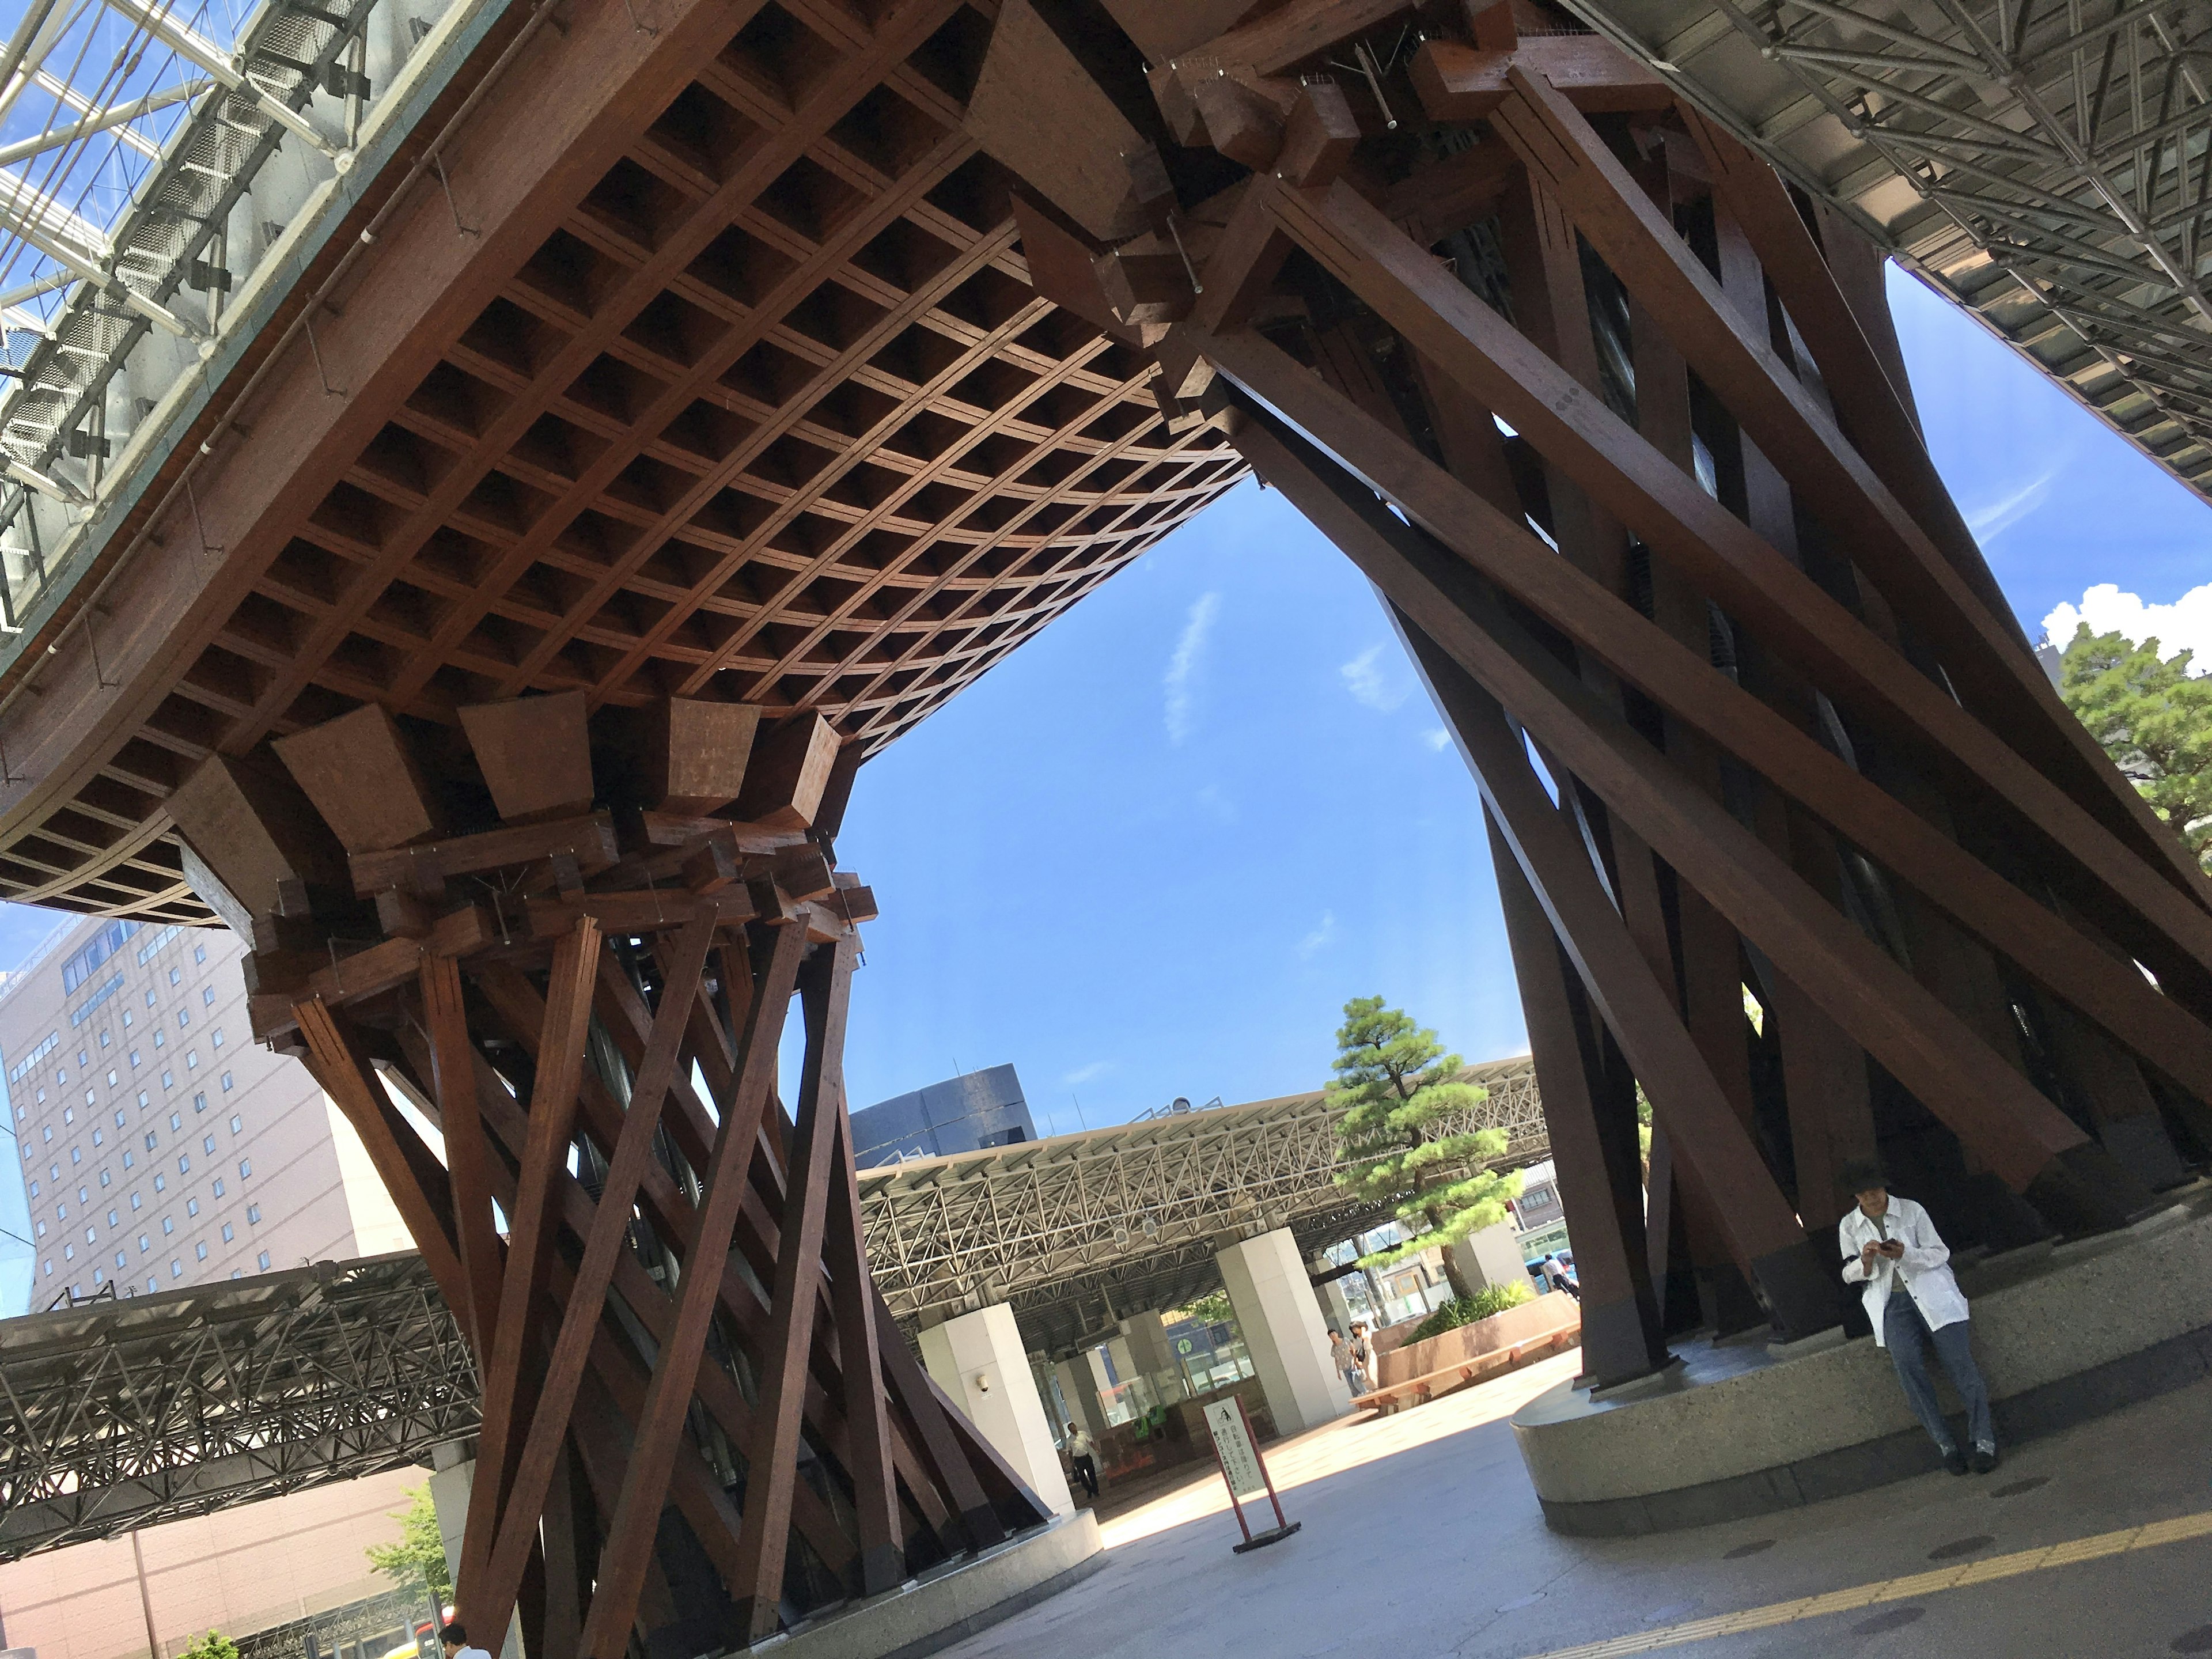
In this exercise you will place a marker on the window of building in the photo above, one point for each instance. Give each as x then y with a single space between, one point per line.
176 1119
199 953
214 1038
225 1083
260 1261
207 996
134 1200
82 1058
237 1124
168 1079
134 1057
184 1162
207 1144
61 1213
191 1060
111 1075
149 999
76 1155
35 1190
199 1101
142 1100
68 1114
191 1206
245 1168
120 1258
160 1182
175 976
95 1138
238 1272
176 1268
97 1276
253 1215
112 1220
91 1235
68 1252
200 1250
103 1043
38 1230
126 1020
227 1236
47 1130
218 1186
104 1178
160 1039
167 1226
49 1268
153 1140
127 1159
119 1119
94 951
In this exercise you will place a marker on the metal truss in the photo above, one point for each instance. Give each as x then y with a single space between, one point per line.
134 135
2045 163
1137 1211
133 1413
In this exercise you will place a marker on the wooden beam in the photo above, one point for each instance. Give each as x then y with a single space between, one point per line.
1457 82
534 754
364 778
453 1077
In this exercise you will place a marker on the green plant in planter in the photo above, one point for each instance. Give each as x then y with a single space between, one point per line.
1466 1310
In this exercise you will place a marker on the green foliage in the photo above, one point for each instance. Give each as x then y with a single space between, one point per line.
419 1556
1212 1308
1466 1310
2154 719
213 1645
1399 1089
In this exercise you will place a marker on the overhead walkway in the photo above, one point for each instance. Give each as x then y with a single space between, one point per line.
121 1414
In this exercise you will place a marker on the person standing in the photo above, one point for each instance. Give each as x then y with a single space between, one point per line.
1084 1456
1555 1272
1340 1355
455 1637
1892 1248
1359 1377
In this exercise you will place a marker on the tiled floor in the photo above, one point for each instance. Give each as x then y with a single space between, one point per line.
1421 1539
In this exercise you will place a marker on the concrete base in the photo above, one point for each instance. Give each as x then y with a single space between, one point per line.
2063 1335
925 1614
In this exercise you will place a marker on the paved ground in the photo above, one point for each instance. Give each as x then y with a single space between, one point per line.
1422 1539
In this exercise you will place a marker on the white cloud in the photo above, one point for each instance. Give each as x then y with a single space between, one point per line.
1216 804
1183 664
1319 936
1375 681
2186 624
1081 1074
1992 518
1438 739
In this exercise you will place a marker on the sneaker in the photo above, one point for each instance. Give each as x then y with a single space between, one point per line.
1986 1459
1955 1460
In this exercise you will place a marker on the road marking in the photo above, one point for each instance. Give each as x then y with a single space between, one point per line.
1896 1590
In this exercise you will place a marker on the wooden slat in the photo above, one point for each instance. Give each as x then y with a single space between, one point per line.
454 1079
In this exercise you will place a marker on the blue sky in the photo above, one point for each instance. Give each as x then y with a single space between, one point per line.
1154 851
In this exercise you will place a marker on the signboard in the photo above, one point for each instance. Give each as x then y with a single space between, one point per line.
1245 1471
1232 1443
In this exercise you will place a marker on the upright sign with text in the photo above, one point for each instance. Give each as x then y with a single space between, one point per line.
1244 1470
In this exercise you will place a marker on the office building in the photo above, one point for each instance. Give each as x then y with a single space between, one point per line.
975 1110
157 1145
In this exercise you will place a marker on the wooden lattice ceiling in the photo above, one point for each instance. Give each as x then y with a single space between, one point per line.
766 410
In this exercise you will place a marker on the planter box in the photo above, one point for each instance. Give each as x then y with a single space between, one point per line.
1421 1371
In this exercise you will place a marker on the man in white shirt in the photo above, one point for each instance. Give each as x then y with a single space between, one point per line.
1891 1247
456 1639
1084 1456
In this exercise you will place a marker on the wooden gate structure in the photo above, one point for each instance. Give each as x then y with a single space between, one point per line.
704 391
1793 833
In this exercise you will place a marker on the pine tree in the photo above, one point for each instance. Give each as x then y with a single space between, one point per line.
419 1556
1398 1087
2154 719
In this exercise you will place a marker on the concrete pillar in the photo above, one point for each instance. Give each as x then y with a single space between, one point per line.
451 1475
1078 1390
1125 1368
979 1361
1336 1312
1493 1257
1280 1321
1146 1337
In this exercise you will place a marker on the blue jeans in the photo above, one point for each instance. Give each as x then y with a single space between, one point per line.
1908 1338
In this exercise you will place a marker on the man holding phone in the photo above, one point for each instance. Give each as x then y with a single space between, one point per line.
1891 1248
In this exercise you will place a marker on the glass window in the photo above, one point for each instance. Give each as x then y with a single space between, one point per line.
199 953
38 1230
199 1101
253 1215
227 1234
143 1101
104 1178
238 1272
134 1200
134 1057
184 1018
112 1219
207 997
152 1140
68 1114
225 1083
200 1249
35 1190
237 1124
184 1162
126 1020
82 1058
191 1060
176 1268
167 1226
76 1155
160 1182
218 1186
95 1138
127 1159
176 1121
149 999
111 1075
214 1038
68 1252
191 1206
260 1261
245 1168
207 1144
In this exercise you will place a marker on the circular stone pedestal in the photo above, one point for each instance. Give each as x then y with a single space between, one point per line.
2063 1333
925 1614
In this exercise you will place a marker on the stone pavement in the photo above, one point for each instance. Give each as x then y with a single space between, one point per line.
1422 1539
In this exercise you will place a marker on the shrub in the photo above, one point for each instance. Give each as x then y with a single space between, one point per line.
213 1645
1466 1310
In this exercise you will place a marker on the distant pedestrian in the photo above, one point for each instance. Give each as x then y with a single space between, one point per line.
1084 1456
1890 1246
456 1639
1359 1377
1555 1272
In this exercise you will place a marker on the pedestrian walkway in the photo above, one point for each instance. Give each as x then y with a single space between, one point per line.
1421 1540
